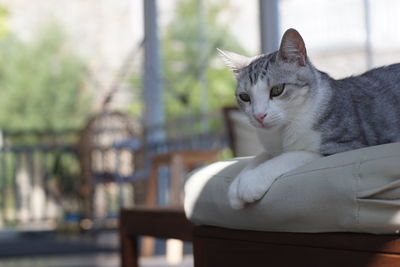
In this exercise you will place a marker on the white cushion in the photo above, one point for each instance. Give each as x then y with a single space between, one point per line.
355 191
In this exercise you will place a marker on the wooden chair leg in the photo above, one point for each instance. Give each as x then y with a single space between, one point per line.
147 246
148 243
129 251
177 170
151 197
174 248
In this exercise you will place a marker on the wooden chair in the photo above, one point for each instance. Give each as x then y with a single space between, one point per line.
216 247
179 162
150 221
220 247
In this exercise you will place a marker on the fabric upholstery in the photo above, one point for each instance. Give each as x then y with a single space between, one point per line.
354 191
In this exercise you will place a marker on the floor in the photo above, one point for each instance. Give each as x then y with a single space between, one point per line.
92 260
50 250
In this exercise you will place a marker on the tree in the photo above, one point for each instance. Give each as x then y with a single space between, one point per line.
182 59
41 83
182 63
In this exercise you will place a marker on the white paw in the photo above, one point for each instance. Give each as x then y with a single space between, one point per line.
233 196
249 186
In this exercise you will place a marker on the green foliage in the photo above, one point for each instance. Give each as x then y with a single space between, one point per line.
65 172
3 21
41 83
183 58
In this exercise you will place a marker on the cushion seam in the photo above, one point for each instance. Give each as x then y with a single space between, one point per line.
339 166
315 170
386 157
320 169
357 176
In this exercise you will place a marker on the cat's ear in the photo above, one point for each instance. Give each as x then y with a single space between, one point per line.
292 48
234 61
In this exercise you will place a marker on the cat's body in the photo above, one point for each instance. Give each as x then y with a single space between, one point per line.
301 113
363 111
359 111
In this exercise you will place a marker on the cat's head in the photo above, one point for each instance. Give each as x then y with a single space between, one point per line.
272 89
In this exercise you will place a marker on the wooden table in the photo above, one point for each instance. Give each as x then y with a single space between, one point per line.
156 222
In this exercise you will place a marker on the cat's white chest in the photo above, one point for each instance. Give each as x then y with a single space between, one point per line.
271 141
301 135
305 141
293 139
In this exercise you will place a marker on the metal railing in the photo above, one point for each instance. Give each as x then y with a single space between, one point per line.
41 180
36 178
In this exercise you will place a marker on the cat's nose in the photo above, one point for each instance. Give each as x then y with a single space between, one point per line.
260 117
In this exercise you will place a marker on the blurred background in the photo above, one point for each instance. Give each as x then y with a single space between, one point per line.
90 90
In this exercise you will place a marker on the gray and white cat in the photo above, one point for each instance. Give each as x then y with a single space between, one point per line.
302 113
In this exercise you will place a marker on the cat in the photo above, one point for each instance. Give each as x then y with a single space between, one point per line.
302 113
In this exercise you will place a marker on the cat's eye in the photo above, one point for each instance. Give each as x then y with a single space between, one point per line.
277 90
244 97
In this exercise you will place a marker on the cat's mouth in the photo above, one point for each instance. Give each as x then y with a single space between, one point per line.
263 125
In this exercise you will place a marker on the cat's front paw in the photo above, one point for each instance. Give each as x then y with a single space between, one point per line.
249 186
233 195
